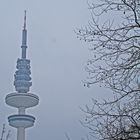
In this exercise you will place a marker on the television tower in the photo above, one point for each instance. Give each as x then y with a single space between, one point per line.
22 99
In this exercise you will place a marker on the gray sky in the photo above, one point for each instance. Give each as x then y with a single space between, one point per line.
57 64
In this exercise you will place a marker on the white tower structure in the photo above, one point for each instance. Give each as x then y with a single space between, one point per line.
22 99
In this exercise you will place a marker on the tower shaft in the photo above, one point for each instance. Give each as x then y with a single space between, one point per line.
21 133
24 43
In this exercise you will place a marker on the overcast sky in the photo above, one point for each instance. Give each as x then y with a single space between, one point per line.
57 64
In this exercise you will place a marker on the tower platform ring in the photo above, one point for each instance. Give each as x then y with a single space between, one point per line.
24 121
25 100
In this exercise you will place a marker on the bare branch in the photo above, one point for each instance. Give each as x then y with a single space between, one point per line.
114 37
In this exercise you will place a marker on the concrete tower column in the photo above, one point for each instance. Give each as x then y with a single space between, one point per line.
21 133
21 110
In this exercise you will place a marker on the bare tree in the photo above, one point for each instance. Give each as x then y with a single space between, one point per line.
119 121
115 44
4 134
114 35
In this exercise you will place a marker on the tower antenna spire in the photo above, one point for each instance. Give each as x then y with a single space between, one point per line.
24 20
24 37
